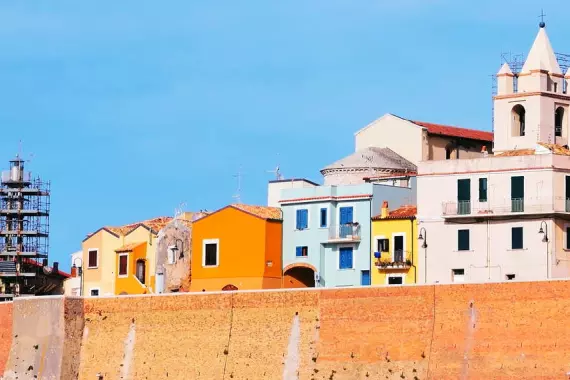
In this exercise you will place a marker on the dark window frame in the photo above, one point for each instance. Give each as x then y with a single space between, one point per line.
460 244
519 238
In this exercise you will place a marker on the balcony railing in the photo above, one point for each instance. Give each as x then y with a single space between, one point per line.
400 261
344 232
506 206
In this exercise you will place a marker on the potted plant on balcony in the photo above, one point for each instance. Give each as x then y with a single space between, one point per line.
408 263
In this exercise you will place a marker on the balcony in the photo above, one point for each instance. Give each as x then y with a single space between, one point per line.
344 233
398 263
505 207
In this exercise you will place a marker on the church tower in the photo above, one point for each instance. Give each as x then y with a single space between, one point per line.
532 106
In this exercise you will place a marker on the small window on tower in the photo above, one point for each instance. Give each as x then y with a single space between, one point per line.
518 115
558 120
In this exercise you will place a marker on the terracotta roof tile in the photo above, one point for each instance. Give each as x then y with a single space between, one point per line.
270 213
553 148
450 130
129 247
155 224
403 212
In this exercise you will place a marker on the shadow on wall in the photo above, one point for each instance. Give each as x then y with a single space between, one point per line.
299 277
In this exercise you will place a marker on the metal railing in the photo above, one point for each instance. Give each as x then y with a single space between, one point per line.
349 231
464 207
505 206
399 256
517 205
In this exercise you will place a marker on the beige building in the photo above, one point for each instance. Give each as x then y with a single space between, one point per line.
504 216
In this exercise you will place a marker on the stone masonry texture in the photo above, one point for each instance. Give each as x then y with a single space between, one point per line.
479 331
5 333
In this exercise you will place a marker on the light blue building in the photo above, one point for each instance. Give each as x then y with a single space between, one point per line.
326 230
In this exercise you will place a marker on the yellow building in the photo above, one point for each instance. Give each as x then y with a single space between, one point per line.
120 260
394 246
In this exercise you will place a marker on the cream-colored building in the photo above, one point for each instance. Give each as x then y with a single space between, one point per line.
504 216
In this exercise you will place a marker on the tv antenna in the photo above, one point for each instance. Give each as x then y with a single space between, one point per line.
277 172
178 211
239 175
20 154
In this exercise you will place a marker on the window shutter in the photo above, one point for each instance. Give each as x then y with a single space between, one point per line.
298 219
299 252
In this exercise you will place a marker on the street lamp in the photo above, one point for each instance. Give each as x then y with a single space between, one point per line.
423 238
545 240
78 270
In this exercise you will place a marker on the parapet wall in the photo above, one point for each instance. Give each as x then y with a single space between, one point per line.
509 330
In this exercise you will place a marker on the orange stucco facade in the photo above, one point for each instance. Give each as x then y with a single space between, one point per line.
249 251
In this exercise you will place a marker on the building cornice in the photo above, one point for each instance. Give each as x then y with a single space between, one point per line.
535 93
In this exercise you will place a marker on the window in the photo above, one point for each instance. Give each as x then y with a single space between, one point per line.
567 238
458 275
510 277
345 258
517 194
94 292
383 245
464 196
482 189
302 219
141 271
123 264
555 87
171 254
518 115
395 280
517 238
210 253
93 258
463 240
302 251
558 120
365 277
323 217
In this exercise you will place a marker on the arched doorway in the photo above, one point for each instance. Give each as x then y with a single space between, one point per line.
141 271
229 287
518 114
299 276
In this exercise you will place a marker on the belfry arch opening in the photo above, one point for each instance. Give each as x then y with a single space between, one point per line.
518 115
558 121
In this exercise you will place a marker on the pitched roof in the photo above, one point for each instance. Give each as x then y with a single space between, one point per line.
403 212
505 69
154 224
129 247
453 131
541 55
263 212
541 148
372 157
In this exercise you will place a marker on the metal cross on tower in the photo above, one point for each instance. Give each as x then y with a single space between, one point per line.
542 23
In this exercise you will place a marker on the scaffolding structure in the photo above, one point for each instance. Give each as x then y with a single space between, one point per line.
516 62
24 229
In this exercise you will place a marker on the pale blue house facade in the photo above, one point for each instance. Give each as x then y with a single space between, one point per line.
326 231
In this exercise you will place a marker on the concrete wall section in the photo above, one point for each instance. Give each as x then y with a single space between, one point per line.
5 333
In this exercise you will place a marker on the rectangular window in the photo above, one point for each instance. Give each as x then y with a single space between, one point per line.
123 264
395 280
482 189
302 219
346 215
458 275
517 194
463 196
302 251
517 238
567 193
323 217
383 245
211 252
94 292
93 258
345 258
567 237
365 277
463 240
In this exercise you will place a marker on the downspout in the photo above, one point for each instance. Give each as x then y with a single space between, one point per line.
413 265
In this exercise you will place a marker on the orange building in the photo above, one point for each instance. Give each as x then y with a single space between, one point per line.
237 247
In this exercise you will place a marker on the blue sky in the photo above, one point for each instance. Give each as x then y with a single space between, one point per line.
133 107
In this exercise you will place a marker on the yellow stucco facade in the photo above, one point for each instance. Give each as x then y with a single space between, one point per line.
394 237
137 241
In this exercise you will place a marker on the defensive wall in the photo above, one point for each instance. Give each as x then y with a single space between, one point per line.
476 331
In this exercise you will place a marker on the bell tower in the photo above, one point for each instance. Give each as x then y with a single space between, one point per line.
532 106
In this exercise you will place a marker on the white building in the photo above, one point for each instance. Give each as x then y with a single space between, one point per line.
72 285
505 216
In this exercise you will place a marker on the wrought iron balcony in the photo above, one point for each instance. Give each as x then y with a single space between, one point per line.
506 206
344 232
400 261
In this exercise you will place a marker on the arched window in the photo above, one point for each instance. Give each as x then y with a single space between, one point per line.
141 271
450 149
558 119
229 287
518 123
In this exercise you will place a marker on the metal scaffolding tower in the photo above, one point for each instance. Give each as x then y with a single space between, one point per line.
24 229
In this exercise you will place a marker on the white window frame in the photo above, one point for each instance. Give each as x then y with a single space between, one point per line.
327 207
453 276
304 207
375 243
98 291
210 241
403 235
119 275
395 275
88 254
353 258
171 250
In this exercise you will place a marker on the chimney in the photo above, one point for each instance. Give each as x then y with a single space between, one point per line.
484 151
384 210
55 267
74 271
